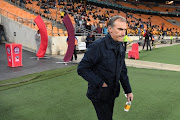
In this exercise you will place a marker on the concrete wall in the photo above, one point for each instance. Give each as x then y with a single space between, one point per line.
59 45
134 37
19 33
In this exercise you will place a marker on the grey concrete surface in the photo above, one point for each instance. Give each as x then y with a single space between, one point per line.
152 65
30 65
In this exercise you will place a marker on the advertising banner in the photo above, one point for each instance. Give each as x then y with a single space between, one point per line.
44 37
71 41
14 54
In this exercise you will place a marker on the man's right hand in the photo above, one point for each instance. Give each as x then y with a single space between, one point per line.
104 85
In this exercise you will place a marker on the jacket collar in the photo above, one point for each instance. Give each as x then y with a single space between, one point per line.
110 43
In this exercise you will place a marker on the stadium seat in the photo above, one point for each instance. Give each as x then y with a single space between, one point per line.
134 53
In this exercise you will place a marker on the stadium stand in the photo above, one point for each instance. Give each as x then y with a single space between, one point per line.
91 12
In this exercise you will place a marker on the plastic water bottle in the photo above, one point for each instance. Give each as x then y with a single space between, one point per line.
127 106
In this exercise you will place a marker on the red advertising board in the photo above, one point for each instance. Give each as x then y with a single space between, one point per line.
14 54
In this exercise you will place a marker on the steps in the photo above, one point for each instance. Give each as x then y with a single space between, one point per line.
24 17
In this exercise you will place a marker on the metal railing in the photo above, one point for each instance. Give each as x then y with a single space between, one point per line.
17 18
28 22
34 10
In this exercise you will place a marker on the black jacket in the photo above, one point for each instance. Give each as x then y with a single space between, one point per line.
104 62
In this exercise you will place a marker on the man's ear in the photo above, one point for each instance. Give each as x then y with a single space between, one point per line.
110 29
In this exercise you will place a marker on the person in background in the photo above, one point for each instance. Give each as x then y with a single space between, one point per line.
147 35
75 52
139 32
125 39
99 29
103 67
93 27
105 30
38 40
171 38
153 39
2 33
89 40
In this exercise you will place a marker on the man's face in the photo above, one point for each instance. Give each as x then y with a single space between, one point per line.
118 31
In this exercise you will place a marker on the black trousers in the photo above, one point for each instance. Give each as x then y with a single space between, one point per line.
104 106
152 42
104 110
2 34
147 43
75 53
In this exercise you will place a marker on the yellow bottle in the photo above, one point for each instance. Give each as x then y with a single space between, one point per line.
127 106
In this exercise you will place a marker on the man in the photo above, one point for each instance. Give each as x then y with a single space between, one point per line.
93 27
105 30
103 65
99 29
89 39
38 40
2 33
75 44
125 39
147 35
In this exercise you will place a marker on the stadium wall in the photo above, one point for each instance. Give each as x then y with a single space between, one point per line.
19 33
59 45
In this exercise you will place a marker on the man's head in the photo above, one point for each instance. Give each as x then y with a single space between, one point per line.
38 32
117 28
90 35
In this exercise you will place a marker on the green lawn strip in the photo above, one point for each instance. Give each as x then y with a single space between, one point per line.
155 95
14 82
63 98
168 55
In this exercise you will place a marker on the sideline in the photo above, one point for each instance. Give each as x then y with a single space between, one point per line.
151 65
146 64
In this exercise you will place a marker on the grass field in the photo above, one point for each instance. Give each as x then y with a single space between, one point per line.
60 95
168 55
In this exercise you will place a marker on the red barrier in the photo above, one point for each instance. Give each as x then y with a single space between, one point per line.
14 54
134 53
71 36
44 37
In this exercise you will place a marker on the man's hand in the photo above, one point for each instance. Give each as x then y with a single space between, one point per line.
104 85
130 97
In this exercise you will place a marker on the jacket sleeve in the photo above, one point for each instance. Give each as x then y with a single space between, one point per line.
88 63
144 35
124 79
